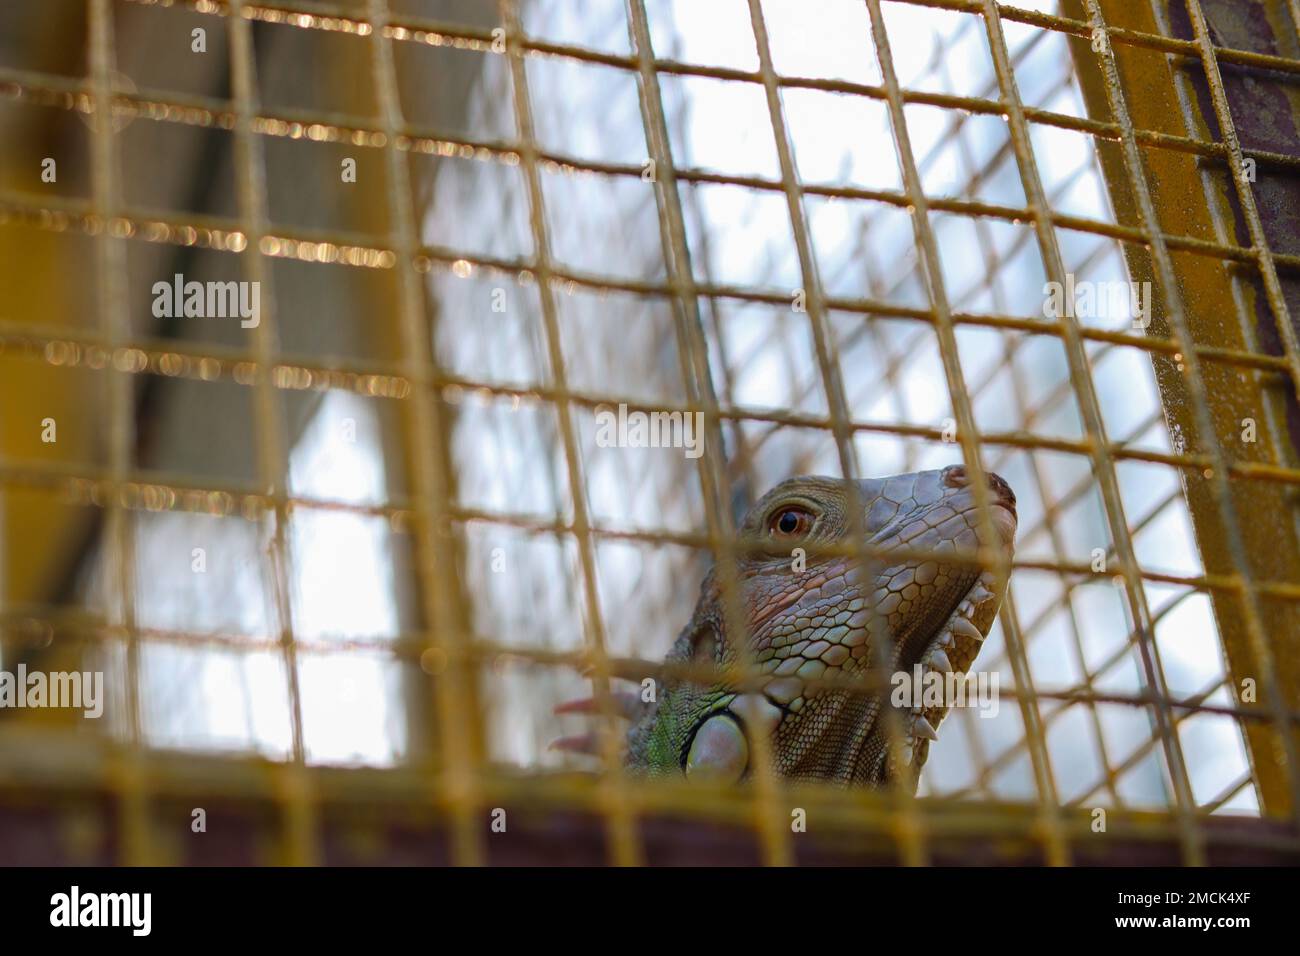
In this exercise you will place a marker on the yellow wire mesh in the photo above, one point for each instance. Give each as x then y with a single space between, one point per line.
449 647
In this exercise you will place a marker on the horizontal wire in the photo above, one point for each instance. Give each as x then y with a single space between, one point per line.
70 764
171 360
36 627
332 127
351 249
430 31
159 493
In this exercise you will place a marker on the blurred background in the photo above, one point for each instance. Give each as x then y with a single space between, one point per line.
243 561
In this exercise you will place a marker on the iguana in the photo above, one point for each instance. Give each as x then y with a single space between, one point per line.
825 616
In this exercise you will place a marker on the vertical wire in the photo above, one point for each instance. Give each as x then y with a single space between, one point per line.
1264 261
459 784
111 264
295 789
941 310
1263 254
1064 605
1095 429
1204 418
1282 318
617 797
1293 8
1017 640
909 830
827 361
774 836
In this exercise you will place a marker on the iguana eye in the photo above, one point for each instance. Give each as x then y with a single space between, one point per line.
790 522
719 751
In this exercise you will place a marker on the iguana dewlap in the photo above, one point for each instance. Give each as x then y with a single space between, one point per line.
840 614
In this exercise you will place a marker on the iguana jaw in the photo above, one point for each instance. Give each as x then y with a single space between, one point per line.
951 651
862 753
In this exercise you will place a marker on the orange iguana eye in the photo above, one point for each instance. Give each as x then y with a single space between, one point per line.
790 522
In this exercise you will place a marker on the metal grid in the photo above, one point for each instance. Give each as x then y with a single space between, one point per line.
461 784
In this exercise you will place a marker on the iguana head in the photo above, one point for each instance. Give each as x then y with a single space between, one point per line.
813 610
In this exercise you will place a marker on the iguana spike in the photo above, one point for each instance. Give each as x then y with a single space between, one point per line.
578 744
625 705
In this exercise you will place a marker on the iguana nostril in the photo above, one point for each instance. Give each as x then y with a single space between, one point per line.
955 476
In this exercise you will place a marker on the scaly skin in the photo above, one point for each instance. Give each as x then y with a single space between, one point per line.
831 616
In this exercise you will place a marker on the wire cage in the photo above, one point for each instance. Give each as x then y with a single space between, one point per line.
337 558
